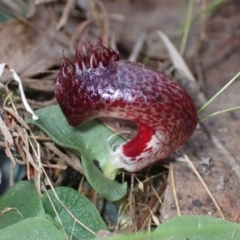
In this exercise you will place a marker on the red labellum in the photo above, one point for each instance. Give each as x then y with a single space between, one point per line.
100 84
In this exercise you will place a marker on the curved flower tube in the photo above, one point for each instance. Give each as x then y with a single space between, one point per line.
100 84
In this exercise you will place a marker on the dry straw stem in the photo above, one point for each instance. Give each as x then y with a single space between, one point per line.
152 205
132 204
18 138
176 57
66 11
78 32
8 209
17 141
181 66
102 18
121 216
54 209
137 47
174 191
204 185
70 161
18 80
8 141
97 16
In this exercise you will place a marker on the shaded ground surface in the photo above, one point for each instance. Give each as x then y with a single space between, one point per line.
212 54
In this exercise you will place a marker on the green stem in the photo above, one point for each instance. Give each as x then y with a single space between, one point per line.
218 112
209 9
110 171
187 27
219 92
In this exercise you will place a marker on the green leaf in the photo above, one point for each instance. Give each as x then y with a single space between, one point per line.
198 228
189 228
36 228
20 202
4 16
111 190
80 207
8 8
89 142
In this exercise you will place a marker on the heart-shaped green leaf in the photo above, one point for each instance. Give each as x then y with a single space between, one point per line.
88 218
89 142
34 228
20 202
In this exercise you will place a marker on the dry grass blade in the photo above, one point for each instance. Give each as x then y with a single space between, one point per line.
154 218
29 159
137 48
7 209
16 116
152 206
8 140
67 9
79 30
100 15
175 191
17 143
97 21
18 80
183 69
204 185
36 104
6 133
61 167
50 200
74 164
45 85
132 204
176 58
24 100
